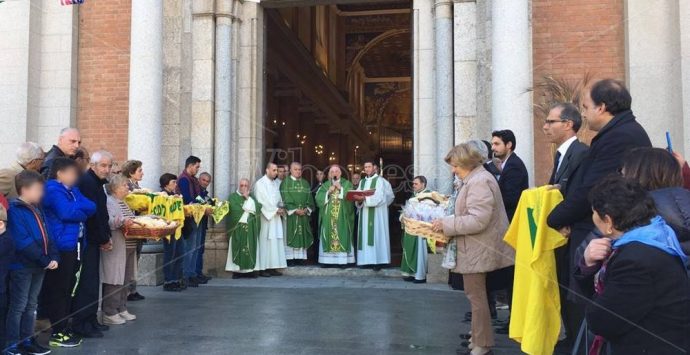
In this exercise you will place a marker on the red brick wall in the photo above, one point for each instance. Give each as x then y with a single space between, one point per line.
570 38
103 67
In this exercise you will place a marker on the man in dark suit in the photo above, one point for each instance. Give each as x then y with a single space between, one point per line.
607 112
513 178
560 128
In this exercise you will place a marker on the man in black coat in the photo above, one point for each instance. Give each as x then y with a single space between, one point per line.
560 128
97 234
67 146
607 112
513 178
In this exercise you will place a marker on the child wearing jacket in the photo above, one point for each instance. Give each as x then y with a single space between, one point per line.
66 210
34 253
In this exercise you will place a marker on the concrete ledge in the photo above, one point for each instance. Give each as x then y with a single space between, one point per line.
150 271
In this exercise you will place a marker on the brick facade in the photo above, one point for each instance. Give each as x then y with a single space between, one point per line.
570 38
104 42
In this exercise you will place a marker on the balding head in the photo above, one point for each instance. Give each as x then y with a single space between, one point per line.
69 141
296 170
244 186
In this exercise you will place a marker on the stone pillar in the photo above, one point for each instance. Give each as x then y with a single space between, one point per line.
654 71
144 137
223 93
424 126
684 7
465 70
511 102
443 50
203 33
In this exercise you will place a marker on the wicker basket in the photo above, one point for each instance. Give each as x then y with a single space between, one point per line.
140 232
423 229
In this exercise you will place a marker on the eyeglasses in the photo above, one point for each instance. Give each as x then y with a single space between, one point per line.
550 122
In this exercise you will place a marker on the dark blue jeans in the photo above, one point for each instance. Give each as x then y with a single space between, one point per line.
25 285
191 252
4 302
172 259
200 254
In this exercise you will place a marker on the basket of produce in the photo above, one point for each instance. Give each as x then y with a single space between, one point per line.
150 227
423 229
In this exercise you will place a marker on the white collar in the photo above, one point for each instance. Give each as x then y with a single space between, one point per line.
293 178
563 148
371 177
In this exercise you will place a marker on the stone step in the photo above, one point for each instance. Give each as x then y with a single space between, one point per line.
350 271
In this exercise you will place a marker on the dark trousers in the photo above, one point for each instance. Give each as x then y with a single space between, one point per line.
4 302
202 248
172 259
572 313
85 302
25 285
55 299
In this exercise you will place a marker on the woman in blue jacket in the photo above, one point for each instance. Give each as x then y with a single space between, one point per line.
66 210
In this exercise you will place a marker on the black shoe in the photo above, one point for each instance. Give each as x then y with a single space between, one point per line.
205 277
252 275
88 333
33 348
465 344
100 327
504 329
191 282
181 285
419 281
200 281
468 316
465 336
408 278
171 287
264 273
377 267
236 275
135 297
275 272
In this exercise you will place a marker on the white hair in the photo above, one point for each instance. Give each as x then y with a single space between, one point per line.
479 146
114 182
28 152
68 129
99 155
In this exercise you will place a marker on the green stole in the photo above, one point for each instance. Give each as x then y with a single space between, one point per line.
370 216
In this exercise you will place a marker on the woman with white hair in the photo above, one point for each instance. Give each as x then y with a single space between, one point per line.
29 157
117 265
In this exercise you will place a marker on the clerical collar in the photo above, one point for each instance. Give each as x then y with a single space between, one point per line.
293 178
373 176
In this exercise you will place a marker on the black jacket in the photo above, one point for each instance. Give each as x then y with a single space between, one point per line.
512 181
605 156
53 153
569 163
646 298
97 228
673 204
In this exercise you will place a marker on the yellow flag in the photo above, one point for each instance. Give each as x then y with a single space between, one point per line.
535 316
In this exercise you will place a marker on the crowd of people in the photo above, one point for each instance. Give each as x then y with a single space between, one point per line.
623 273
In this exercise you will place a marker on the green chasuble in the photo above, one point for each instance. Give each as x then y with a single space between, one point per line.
296 194
408 264
337 218
244 236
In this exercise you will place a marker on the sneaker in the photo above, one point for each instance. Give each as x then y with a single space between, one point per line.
127 316
192 282
172 287
33 348
113 320
14 350
64 340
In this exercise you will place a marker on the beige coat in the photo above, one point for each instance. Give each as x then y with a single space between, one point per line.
7 175
113 262
479 225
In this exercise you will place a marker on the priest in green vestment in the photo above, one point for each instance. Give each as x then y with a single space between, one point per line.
243 230
299 204
414 259
337 219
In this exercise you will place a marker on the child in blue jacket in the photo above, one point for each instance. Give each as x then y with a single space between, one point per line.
6 255
66 210
34 253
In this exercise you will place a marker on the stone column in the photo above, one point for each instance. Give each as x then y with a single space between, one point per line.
424 126
443 50
223 93
654 71
465 70
684 7
203 30
511 102
144 138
